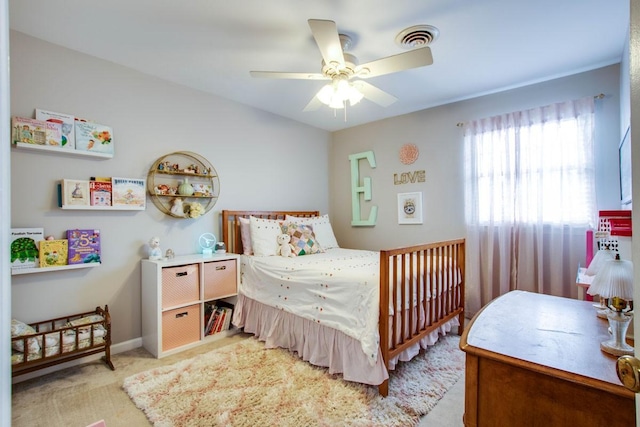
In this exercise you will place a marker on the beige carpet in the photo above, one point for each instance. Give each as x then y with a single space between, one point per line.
244 384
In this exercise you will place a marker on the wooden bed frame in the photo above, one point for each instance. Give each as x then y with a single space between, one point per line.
442 306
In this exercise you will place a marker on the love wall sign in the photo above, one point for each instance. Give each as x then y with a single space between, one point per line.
409 177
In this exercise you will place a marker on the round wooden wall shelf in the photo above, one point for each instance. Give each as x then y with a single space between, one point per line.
183 185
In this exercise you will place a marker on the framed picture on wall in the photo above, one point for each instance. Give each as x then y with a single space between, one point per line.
410 208
625 168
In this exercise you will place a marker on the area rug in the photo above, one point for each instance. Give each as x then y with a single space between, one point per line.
244 384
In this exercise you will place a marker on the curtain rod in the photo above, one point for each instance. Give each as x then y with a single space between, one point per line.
598 96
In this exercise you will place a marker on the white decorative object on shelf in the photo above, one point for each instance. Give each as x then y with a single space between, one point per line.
155 252
207 242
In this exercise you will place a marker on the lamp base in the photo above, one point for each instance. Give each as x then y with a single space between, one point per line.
618 323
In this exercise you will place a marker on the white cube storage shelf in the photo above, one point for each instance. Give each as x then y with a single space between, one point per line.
174 293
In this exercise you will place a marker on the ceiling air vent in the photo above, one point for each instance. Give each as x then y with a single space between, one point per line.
417 36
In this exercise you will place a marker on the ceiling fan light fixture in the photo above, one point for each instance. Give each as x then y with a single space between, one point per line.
355 95
338 92
325 95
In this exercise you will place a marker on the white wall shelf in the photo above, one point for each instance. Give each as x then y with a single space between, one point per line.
102 208
62 151
18 271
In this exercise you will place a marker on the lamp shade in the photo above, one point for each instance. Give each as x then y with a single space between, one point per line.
614 279
601 256
336 93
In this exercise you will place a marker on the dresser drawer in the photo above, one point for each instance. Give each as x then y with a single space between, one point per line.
180 326
220 279
180 285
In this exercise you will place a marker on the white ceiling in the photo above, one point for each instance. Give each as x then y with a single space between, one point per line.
484 46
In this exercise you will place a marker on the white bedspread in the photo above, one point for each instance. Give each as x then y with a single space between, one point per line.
338 289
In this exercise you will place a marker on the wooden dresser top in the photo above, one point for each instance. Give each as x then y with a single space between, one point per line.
553 335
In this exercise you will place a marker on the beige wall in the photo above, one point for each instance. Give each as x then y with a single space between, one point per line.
439 140
257 155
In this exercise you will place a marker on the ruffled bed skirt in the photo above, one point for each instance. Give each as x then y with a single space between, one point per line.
321 345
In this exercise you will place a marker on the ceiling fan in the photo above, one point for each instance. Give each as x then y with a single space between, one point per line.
344 72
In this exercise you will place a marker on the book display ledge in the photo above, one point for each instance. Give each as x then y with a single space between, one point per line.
18 271
64 152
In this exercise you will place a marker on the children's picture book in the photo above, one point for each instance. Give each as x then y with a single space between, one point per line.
128 192
75 192
29 131
67 129
24 247
53 133
53 252
93 137
84 246
100 191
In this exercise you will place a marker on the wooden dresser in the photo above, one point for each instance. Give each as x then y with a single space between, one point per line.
535 360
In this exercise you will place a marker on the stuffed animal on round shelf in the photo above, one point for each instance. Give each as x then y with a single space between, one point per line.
285 248
177 207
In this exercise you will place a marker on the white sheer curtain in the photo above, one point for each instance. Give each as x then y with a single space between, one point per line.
529 199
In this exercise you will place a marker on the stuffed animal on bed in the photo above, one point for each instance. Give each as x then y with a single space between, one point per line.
285 248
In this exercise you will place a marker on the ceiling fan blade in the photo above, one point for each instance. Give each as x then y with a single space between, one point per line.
374 94
403 61
326 35
313 105
287 75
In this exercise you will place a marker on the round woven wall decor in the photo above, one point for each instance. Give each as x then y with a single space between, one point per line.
409 153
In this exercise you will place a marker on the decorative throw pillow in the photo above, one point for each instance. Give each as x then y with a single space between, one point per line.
245 235
302 238
19 329
321 228
264 236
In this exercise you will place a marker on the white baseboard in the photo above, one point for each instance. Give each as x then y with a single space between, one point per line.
115 349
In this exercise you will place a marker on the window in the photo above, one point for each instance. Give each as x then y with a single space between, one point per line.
534 166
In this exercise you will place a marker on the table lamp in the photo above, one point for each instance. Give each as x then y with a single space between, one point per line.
601 256
599 259
614 282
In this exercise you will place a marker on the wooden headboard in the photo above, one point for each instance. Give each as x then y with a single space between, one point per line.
231 224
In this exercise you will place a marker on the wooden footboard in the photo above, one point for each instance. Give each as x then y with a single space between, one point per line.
428 284
63 339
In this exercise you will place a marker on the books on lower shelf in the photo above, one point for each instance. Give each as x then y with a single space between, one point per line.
24 247
84 246
53 253
217 317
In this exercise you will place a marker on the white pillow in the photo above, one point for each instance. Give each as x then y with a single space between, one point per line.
19 329
264 236
245 235
321 228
